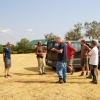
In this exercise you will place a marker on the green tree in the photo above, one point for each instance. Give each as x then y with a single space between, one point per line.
92 30
24 47
13 49
1 48
50 36
74 34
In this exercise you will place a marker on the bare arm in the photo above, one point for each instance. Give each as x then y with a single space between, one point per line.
58 51
38 53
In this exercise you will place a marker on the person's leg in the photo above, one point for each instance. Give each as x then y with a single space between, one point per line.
6 66
71 63
5 72
8 69
82 64
90 75
97 71
39 66
43 66
95 77
64 72
59 70
69 67
87 67
92 72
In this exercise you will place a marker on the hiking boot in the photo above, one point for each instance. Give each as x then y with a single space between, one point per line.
86 73
60 81
40 74
94 82
43 73
64 80
9 75
82 74
89 77
5 76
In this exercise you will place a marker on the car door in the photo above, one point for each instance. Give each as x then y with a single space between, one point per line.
51 58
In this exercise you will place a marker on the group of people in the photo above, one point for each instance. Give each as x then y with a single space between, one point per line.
65 59
86 52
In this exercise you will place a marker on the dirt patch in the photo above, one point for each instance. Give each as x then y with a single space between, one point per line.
26 84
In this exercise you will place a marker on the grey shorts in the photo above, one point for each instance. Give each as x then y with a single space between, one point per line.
84 62
70 62
7 63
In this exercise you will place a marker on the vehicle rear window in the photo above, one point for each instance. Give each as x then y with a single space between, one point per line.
52 45
77 46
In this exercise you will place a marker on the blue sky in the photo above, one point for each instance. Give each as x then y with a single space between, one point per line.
32 19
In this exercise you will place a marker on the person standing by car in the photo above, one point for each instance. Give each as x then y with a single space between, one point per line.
90 74
39 53
94 61
7 59
84 58
70 55
61 63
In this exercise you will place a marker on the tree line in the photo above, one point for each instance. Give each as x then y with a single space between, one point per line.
91 31
21 47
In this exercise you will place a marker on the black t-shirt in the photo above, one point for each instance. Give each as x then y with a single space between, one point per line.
7 53
62 56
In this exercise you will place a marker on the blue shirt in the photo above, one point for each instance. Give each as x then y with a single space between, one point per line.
62 56
7 53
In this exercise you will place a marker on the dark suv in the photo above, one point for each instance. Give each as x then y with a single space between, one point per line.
51 56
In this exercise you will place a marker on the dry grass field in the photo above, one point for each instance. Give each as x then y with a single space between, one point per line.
26 84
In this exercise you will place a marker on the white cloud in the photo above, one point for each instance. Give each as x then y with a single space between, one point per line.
6 31
29 30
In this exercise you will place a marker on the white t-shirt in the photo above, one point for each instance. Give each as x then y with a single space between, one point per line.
94 56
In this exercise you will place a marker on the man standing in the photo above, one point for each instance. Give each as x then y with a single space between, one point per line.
39 53
94 61
7 59
84 58
61 63
70 53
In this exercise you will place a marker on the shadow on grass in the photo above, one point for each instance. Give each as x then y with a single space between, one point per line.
36 81
35 69
21 74
51 82
78 82
1 75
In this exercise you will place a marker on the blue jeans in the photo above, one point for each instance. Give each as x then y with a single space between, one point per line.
61 70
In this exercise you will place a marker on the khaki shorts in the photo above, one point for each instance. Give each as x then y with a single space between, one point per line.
7 63
84 62
70 62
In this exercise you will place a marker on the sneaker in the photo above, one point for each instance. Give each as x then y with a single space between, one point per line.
40 74
86 73
5 76
89 77
94 82
43 73
60 81
9 75
64 80
82 74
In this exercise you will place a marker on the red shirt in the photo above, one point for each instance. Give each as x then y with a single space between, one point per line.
70 51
